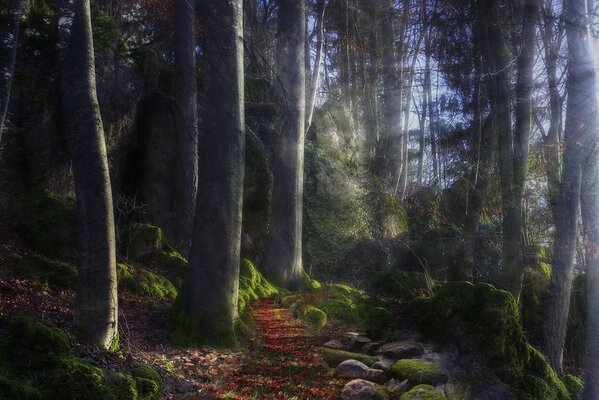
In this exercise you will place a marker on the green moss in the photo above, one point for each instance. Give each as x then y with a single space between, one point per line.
422 392
148 382
381 392
192 331
33 343
42 270
308 284
487 320
124 386
314 317
334 357
342 302
252 285
243 332
47 223
76 379
575 386
419 372
535 284
144 283
13 388
146 243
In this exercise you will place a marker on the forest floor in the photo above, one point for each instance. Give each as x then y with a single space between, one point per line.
282 363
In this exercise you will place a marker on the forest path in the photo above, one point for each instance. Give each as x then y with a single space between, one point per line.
284 362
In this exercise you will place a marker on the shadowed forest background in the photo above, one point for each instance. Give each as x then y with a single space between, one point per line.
299 199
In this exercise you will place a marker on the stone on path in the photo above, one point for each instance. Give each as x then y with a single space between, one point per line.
360 389
354 369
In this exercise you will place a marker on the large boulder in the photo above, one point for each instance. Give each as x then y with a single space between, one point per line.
399 350
419 372
354 369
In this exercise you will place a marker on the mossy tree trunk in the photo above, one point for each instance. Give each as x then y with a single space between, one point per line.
209 294
283 260
9 35
96 310
186 119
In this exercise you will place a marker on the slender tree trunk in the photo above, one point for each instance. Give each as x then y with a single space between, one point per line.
186 119
9 37
428 91
564 194
370 77
391 90
320 12
283 261
581 117
209 296
96 310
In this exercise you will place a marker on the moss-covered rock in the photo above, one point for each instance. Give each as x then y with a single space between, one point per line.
342 303
252 285
124 386
314 317
575 386
144 283
422 392
75 379
148 382
334 357
378 319
419 372
535 283
483 320
42 270
13 388
32 343
146 243
47 222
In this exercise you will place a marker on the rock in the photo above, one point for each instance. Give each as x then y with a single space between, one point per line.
419 372
383 363
334 344
399 350
354 369
334 357
423 392
360 389
396 388
356 340
371 348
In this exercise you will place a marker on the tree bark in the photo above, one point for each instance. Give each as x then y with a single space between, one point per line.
96 308
283 260
210 289
320 12
9 37
186 120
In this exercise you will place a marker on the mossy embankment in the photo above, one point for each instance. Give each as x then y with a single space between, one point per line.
39 361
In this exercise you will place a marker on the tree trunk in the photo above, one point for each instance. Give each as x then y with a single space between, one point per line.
210 289
564 194
96 310
283 261
428 95
320 10
186 120
9 37
497 59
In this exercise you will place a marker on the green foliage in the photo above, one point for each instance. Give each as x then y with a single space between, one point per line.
575 386
483 319
422 392
334 357
419 372
378 319
400 284
42 270
47 222
314 317
342 302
